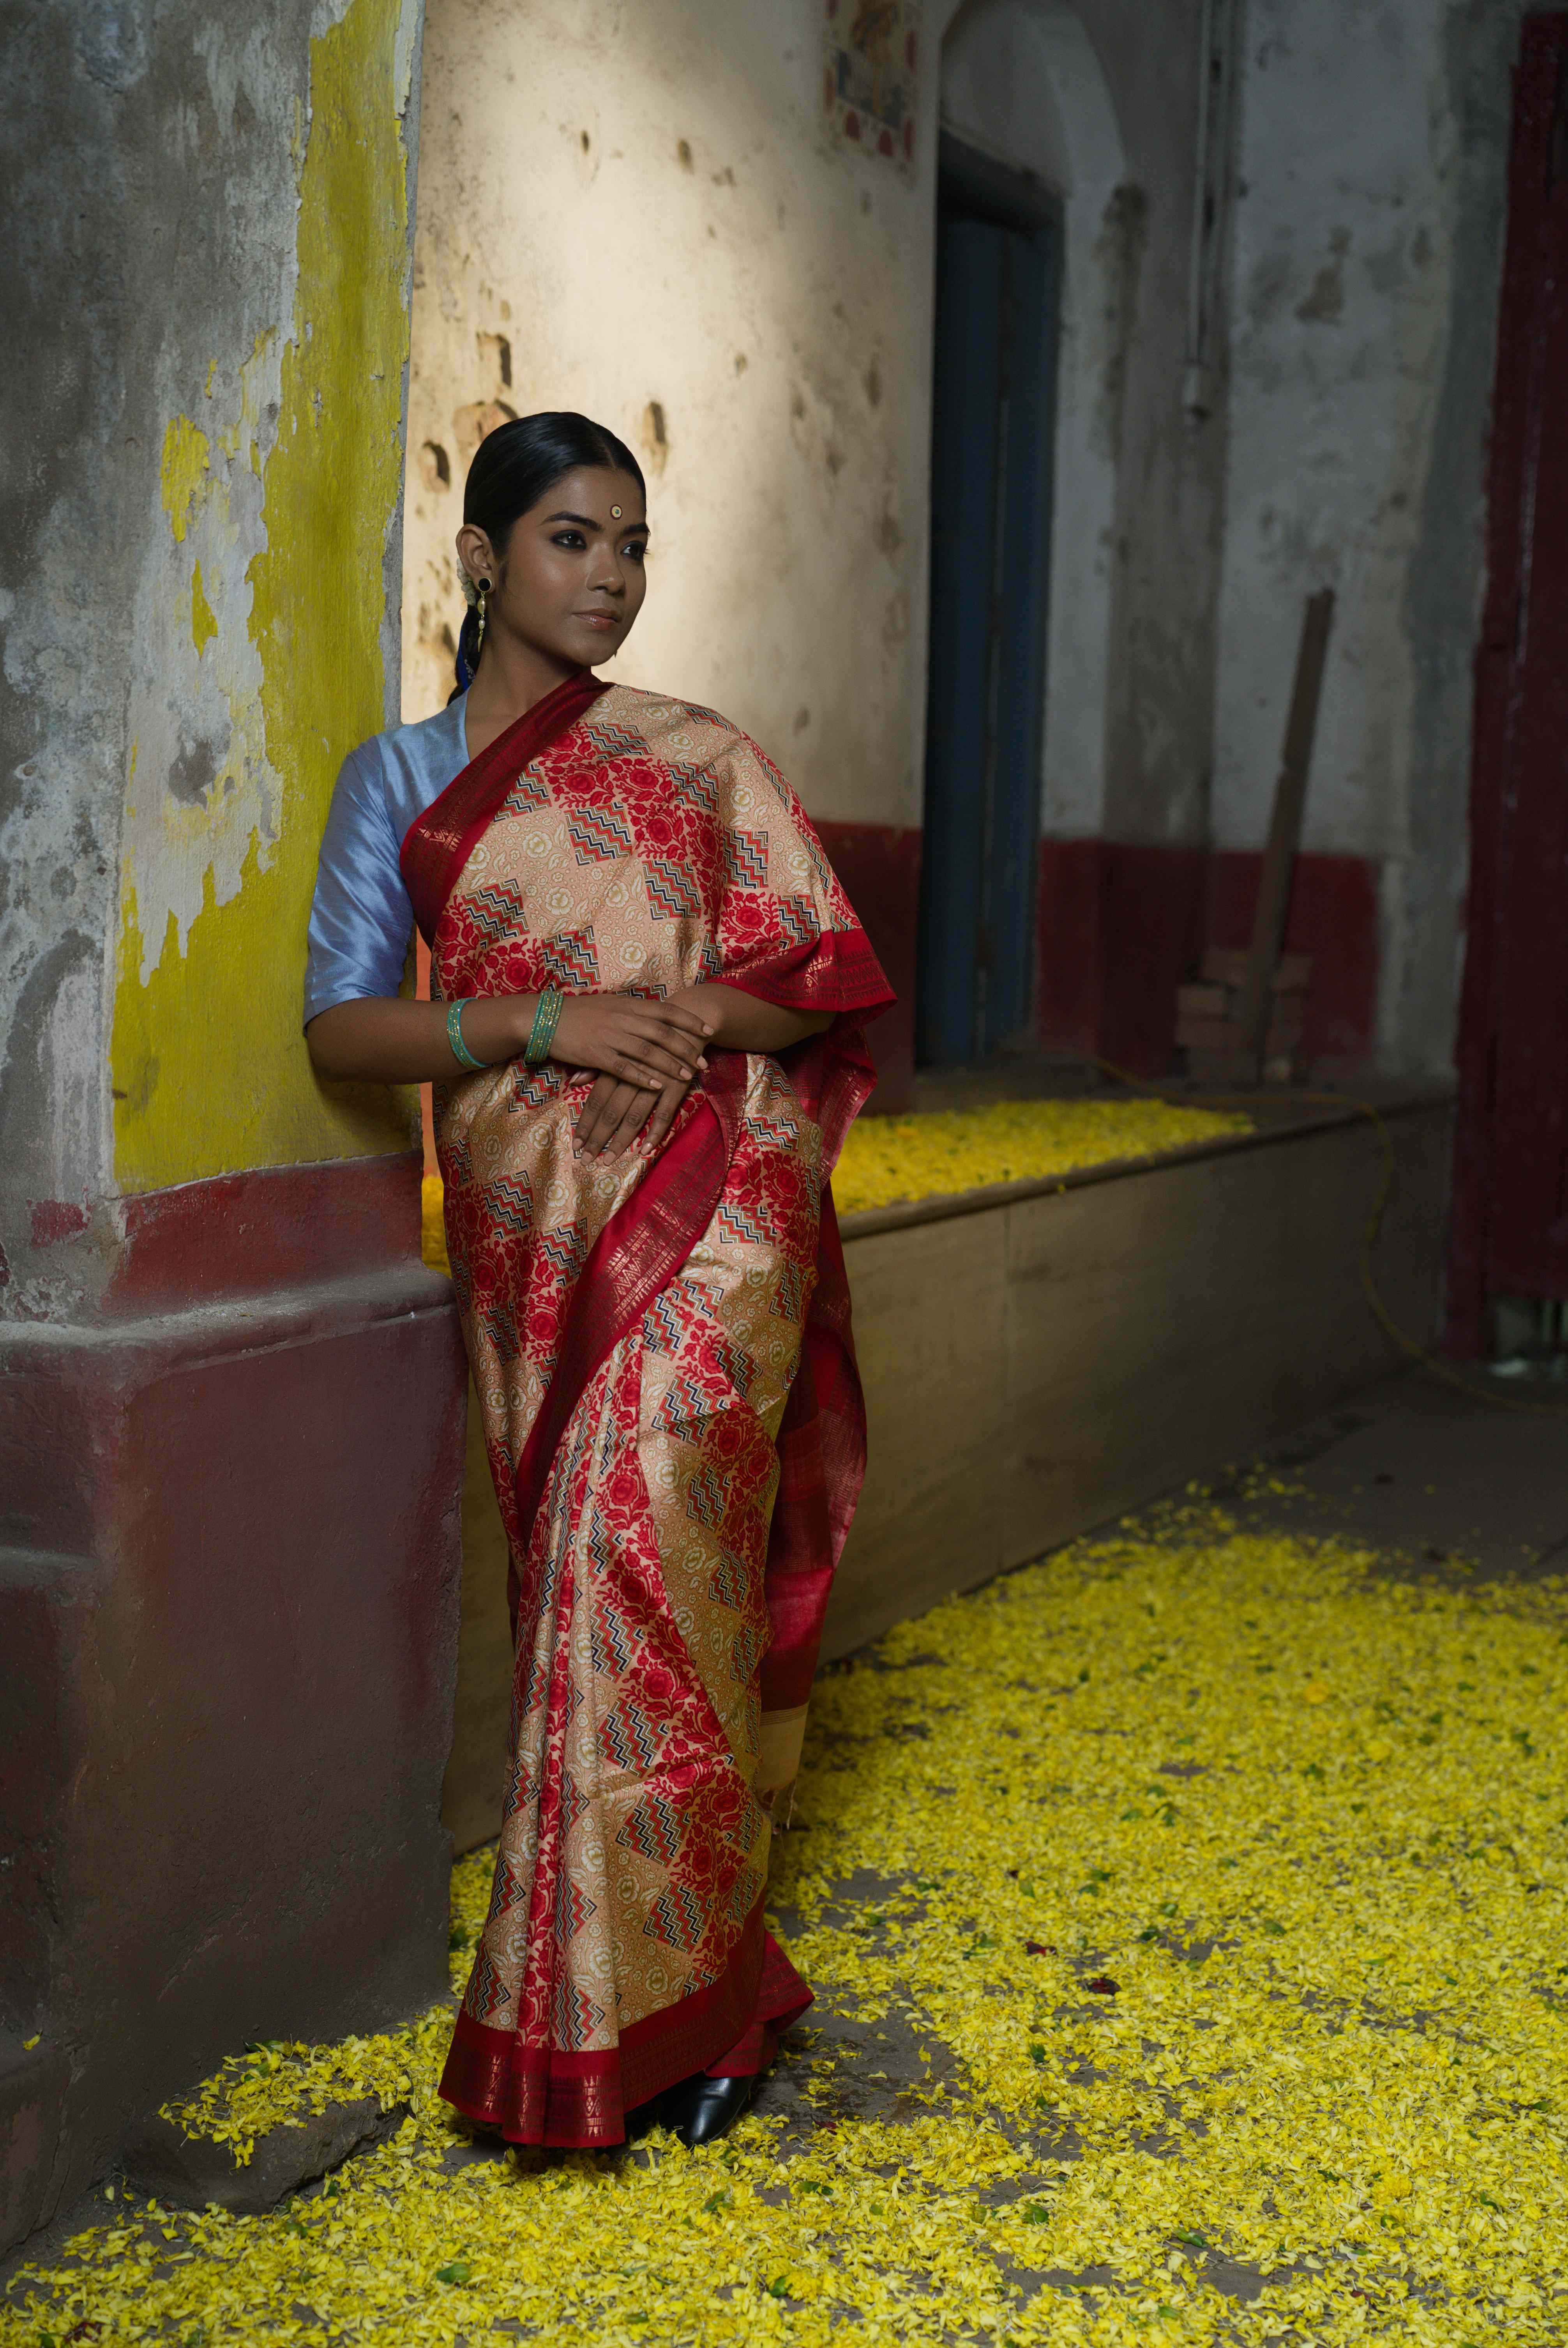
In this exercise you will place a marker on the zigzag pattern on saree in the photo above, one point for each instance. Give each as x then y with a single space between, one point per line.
574 2017
571 958
699 784
573 1907
797 919
780 1131
526 792
673 892
613 1645
511 1199
654 1829
499 1322
532 1087
629 1737
507 1890
788 1298
662 1331
734 1223
678 1918
598 834
487 1991
729 1580
708 1495
733 1363
746 855
611 736
751 1645
564 1251
743 1893
684 1411
495 911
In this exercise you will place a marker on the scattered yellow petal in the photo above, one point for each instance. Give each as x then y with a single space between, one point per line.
1336 2053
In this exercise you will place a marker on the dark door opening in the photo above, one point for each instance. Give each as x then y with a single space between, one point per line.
1509 1250
999 259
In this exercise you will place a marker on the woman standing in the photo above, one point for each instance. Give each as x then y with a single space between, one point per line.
646 1057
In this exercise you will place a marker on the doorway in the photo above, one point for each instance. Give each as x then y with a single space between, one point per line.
1510 1260
998 267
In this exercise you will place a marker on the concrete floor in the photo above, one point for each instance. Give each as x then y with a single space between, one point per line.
1431 1477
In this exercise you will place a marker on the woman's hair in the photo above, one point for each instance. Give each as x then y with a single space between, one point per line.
515 468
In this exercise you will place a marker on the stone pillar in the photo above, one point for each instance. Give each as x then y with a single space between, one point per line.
230 1396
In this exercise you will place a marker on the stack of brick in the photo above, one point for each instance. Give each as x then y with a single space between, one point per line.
1209 1015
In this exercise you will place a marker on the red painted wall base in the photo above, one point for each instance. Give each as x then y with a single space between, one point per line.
1123 926
229 1557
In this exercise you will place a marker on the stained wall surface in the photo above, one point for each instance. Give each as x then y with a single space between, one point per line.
1367 245
636 209
202 382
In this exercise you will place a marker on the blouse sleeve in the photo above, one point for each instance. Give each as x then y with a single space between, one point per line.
361 919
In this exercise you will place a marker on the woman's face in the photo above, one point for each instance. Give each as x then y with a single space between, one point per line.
572 581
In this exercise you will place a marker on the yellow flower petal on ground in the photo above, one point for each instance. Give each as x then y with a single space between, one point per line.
1337 2051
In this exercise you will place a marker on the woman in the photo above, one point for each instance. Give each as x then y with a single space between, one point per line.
646 1058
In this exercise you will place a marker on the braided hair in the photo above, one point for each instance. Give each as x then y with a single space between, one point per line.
515 468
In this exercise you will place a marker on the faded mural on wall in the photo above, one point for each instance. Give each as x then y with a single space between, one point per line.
871 52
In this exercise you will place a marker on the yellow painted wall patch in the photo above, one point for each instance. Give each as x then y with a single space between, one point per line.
209 1069
183 470
203 626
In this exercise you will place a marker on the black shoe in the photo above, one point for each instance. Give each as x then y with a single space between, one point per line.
701 2110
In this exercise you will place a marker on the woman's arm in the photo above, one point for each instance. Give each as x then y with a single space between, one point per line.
398 1042
746 1023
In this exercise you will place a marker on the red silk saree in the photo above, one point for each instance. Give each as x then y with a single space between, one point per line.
664 1358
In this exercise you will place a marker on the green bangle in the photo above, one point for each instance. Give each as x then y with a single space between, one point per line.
541 1034
460 1051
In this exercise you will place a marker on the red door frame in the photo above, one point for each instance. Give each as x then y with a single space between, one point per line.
1510 1227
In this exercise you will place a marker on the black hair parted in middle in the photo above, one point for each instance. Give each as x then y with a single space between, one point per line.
515 468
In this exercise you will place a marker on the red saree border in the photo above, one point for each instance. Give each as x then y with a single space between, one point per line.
540 2095
439 842
635 1257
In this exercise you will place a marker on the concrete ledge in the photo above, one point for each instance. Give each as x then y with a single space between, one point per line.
1037 1364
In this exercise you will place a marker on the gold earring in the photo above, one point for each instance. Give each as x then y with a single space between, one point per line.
484 599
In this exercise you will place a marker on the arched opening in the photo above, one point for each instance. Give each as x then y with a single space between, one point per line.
1024 486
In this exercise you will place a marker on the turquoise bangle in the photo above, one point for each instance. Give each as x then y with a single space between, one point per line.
460 1051
547 1017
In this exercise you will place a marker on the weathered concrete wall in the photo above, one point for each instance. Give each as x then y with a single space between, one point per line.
1368 244
639 211
202 385
230 1408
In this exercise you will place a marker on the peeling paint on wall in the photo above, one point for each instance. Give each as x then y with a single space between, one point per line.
262 616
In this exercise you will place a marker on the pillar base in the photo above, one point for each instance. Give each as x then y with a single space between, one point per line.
228 1643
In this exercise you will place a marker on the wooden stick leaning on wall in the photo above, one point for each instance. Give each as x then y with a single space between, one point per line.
1284 837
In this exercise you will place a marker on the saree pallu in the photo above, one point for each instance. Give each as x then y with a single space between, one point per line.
663 1359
